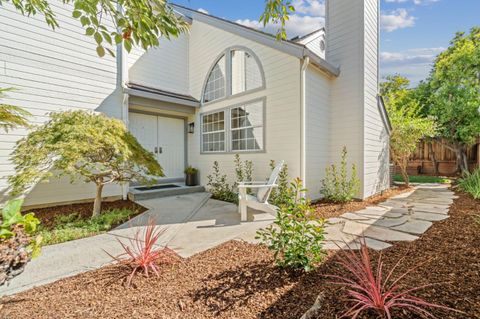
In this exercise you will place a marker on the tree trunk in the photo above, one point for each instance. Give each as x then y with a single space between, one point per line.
405 176
462 161
97 205
433 158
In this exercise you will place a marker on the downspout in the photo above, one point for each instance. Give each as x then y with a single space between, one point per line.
122 78
303 69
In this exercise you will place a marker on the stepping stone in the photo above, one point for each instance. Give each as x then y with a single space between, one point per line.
375 232
386 222
378 214
432 217
353 216
335 233
394 204
335 220
355 245
416 227
431 210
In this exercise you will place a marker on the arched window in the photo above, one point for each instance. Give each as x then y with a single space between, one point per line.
216 82
238 70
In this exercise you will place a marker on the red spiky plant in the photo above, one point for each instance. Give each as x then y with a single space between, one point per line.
371 291
142 253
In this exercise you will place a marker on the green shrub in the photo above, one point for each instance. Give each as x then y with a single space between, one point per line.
295 239
73 226
337 186
470 183
279 195
219 187
190 170
243 171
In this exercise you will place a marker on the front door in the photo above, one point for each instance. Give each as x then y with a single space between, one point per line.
163 136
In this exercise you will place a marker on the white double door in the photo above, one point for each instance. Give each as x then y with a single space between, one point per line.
164 137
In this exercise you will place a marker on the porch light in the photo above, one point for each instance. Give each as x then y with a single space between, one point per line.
191 127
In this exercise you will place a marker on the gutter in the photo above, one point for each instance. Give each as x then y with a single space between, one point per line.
303 155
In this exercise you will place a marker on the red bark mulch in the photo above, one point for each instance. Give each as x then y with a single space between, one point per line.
239 280
47 215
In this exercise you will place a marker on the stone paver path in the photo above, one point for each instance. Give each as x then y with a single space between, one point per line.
401 218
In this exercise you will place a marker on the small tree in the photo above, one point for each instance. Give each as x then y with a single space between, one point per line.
408 124
81 144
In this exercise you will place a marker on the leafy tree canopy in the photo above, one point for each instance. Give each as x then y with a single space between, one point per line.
409 126
277 12
453 96
81 144
109 22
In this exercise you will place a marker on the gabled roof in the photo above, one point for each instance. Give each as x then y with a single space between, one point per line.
303 37
293 48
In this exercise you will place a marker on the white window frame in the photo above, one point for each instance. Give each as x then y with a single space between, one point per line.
246 105
228 75
224 131
228 130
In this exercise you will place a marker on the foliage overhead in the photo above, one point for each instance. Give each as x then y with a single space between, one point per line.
295 239
11 116
110 22
409 125
277 12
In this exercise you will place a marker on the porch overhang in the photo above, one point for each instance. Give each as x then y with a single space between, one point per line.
145 92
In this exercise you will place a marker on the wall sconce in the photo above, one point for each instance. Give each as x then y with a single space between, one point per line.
191 127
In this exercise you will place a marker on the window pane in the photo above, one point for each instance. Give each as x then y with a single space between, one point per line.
215 88
213 133
245 72
247 127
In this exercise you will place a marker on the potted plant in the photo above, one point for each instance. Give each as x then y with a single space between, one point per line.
191 176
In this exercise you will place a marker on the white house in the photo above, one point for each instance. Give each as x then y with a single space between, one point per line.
239 91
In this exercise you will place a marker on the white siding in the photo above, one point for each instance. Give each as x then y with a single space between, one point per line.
282 75
376 138
352 44
164 67
52 71
317 105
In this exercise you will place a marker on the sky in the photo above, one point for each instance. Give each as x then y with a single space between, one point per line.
413 32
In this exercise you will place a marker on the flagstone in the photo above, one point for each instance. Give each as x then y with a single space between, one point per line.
428 216
375 232
416 227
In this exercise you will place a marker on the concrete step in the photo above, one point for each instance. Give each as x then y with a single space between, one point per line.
137 193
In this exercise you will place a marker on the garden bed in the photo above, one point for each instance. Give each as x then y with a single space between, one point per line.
69 222
238 280
324 209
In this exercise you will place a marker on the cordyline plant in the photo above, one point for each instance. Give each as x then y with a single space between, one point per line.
81 144
371 290
142 253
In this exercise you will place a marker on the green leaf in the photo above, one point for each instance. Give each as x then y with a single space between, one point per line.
84 21
90 31
98 38
128 45
5 233
30 223
11 212
76 14
100 51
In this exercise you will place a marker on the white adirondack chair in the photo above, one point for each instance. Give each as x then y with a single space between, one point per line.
260 201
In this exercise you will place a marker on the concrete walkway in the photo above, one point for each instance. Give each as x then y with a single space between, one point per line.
192 223
401 218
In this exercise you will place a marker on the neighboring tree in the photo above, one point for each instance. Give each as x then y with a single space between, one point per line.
11 116
81 144
110 22
452 94
277 12
409 126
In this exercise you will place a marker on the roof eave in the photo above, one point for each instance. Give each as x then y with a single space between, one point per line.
291 48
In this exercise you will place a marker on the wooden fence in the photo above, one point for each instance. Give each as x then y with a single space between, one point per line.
421 162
